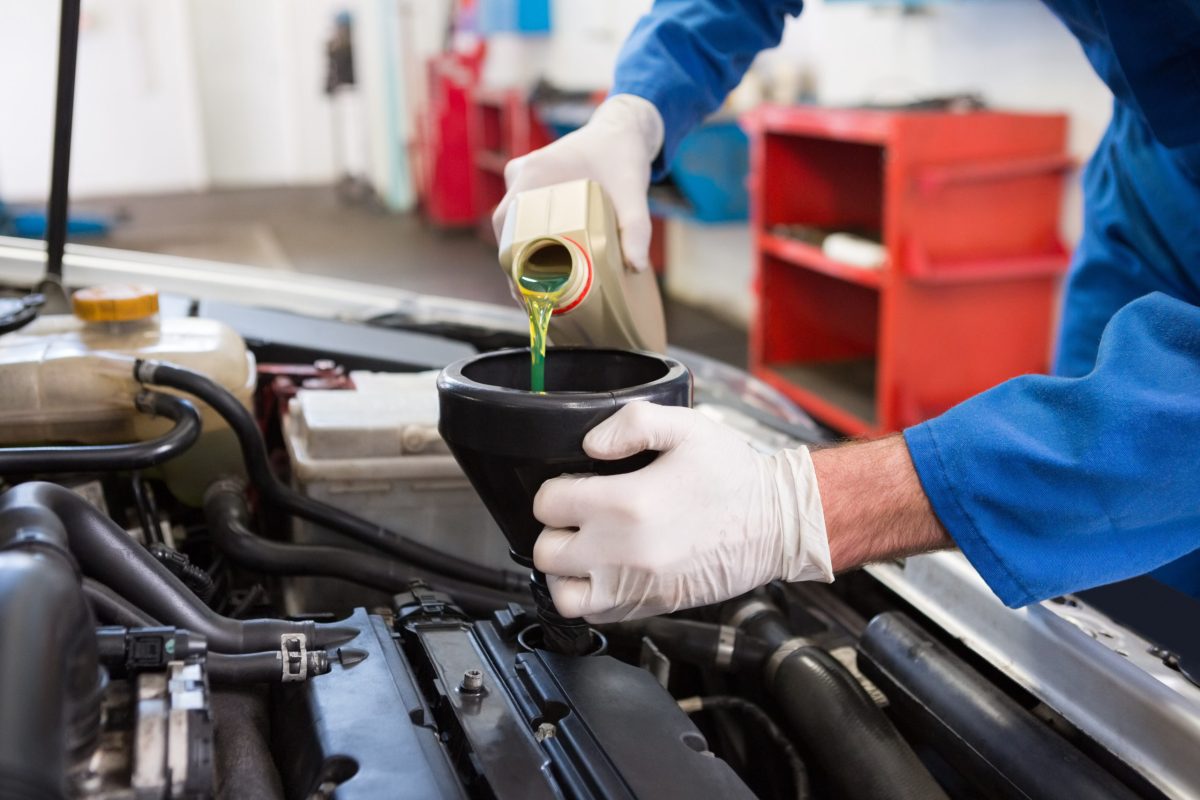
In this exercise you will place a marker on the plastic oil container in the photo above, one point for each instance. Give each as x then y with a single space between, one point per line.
570 230
376 451
68 379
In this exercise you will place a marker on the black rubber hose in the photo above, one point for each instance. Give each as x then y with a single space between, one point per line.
119 647
274 492
758 617
50 680
151 531
98 457
197 580
112 609
107 554
229 524
860 752
985 734
241 745
702 644
707 645
246 668
755 714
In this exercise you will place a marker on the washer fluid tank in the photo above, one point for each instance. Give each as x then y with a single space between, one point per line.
60 382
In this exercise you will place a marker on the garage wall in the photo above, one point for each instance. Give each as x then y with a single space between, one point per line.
136 113
587 37
183 95
261 77
260 70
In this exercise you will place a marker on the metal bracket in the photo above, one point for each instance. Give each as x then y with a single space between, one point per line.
655 661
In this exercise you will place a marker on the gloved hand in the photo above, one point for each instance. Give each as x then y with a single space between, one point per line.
709 519
615 149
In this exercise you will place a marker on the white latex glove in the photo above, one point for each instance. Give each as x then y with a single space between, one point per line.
615 149
709 519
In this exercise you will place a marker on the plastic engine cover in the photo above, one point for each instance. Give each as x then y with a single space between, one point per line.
458 710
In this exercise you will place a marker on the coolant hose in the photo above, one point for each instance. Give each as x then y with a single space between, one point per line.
97 457
126 650
859 749
50 681
759 617
241 745
274 492
848 738
701 644
108 554
229 523
971 722
760 719
112 609
245 668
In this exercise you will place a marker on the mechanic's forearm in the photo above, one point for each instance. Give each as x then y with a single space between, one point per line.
875 508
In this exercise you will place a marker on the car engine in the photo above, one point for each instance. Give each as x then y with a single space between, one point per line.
237 561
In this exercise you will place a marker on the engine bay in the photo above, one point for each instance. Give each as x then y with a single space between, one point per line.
237 561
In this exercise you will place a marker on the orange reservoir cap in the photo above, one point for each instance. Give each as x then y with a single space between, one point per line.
115 303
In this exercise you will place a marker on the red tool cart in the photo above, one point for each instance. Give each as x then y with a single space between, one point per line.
503 126
444 142
966 209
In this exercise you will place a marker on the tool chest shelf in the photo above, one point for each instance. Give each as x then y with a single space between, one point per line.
503 126
965 207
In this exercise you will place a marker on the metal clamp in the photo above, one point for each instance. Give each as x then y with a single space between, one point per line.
751 609
143 371
726 639
781 653
293 654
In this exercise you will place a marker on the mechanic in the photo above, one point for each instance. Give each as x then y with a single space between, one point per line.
1047 484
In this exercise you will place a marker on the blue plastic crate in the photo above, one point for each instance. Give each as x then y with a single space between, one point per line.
514 16
710 169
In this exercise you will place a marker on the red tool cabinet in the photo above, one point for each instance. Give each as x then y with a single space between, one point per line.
446 180
503 126
966 206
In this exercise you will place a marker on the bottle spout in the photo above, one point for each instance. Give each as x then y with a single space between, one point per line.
553 265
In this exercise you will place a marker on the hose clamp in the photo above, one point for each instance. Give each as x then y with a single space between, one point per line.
780 655
144 401
293 654
226 484
27 537
747 611
726 639
143 371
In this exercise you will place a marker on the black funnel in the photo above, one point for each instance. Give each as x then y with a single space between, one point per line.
509 440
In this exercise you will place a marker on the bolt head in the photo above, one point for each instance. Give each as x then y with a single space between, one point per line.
472 682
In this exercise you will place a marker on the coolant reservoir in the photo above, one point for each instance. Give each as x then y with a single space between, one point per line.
61 382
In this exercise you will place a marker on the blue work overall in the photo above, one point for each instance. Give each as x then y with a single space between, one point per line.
1048 484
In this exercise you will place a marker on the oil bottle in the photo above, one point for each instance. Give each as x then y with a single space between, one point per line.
561 249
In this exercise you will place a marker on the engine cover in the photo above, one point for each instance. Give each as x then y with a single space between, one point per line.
445 707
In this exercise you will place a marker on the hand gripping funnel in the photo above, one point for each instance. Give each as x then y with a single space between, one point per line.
509 440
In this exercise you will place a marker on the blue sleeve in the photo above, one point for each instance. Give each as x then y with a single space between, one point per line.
1052 485
686 55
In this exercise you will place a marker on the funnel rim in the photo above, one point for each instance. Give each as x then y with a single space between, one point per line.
452 376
